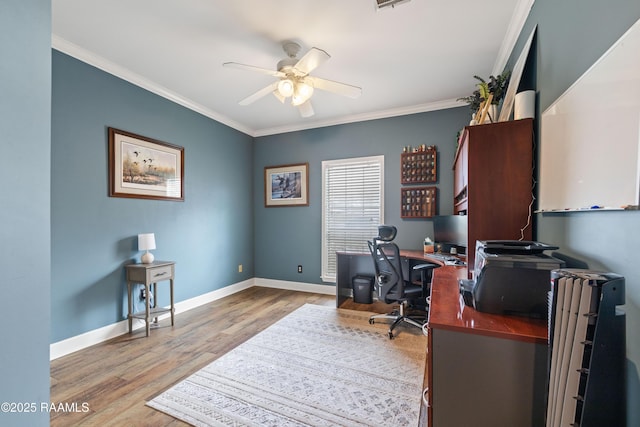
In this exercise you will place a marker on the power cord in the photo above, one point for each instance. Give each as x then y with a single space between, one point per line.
533 188
140 300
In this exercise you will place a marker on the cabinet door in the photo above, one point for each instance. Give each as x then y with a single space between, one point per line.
484 381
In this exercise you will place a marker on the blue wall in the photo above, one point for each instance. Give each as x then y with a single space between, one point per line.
94 235
287 237
571 36
25 253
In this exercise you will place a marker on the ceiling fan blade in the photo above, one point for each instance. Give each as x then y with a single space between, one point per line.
273 73
306 109
336 87
311 60
280 98
259 94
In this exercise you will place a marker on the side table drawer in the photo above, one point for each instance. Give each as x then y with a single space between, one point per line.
160 273
136 275
140 273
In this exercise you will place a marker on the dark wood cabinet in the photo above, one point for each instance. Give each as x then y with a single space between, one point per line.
493 182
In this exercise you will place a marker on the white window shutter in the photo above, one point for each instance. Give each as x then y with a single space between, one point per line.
352 207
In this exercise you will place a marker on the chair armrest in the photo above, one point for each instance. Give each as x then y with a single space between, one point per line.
425 266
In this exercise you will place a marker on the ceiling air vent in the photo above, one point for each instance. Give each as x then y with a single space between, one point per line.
381 4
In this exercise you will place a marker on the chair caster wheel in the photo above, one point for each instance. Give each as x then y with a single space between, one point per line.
371 321
390 335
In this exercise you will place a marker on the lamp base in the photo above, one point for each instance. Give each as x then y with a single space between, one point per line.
147 258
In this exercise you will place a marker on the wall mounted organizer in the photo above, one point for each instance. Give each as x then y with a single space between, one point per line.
420 166
418 202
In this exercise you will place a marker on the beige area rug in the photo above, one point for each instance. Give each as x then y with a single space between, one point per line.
318 366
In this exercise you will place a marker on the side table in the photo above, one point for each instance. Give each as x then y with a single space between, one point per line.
147 275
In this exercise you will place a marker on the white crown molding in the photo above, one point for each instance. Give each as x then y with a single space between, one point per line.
421 108
516 24
107 66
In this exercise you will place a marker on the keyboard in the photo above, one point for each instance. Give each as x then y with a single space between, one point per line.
447 259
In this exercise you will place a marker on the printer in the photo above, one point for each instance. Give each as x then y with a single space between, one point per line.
511 277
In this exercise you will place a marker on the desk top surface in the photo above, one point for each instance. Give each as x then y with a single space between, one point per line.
448 311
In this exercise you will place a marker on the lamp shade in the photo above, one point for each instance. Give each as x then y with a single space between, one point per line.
146 241
302 93
285 88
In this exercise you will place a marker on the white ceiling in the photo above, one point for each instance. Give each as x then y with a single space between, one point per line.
418 56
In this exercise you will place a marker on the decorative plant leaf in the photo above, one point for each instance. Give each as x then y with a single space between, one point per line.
496 86
474 100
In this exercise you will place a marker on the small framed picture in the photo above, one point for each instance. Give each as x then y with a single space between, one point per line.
144 168
286 185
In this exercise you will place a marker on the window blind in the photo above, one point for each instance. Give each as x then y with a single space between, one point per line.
352 207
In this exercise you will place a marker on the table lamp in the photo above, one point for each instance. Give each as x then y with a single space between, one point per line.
146 242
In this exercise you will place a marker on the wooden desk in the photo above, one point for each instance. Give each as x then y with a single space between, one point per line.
149 275
483 369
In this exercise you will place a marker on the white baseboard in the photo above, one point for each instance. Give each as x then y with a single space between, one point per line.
96 336
296 286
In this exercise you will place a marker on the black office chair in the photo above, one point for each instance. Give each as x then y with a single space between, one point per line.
393 287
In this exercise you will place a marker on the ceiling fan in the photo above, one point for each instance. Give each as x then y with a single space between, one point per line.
294 80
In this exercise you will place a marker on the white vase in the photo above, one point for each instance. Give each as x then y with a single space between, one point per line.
492 114
525 105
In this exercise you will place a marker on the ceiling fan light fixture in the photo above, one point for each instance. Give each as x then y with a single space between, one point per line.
302 93
286 87
294 79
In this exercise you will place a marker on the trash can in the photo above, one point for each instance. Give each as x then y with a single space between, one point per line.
362 285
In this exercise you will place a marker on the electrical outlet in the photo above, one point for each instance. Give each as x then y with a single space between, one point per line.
239 268
299 268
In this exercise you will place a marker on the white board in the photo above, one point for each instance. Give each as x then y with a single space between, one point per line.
590 136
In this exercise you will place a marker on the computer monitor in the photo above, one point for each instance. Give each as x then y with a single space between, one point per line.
451 230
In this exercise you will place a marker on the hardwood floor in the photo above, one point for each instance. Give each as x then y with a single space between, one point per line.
114 379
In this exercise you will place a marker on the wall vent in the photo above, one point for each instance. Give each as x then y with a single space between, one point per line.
381 4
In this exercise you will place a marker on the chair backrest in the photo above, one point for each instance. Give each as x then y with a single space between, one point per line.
388 266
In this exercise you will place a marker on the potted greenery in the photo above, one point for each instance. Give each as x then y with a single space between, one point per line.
498 86
494 89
